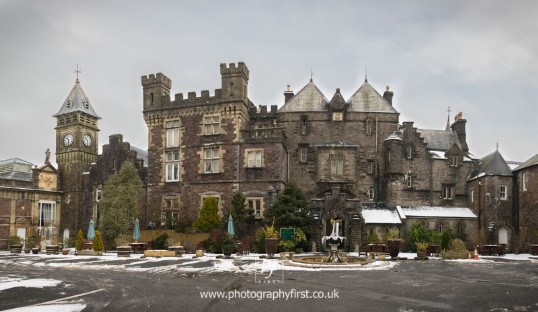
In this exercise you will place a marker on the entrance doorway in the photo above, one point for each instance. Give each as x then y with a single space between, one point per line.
503 235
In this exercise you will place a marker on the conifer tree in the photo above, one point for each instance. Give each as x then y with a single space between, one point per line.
208 218
122 199
80 240
290 209
98 241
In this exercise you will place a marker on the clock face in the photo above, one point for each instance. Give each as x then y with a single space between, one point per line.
68 139
87 139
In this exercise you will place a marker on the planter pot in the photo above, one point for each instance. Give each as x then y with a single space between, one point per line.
228 250
65 251
394 248
422 254
52 249
89 253
124 251
27 251
199 253
270 246
35 251
15 249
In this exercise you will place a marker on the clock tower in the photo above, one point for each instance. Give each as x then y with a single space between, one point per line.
76 149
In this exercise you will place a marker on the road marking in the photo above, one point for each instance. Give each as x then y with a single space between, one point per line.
67 298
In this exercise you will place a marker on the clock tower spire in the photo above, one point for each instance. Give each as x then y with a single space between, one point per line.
76 149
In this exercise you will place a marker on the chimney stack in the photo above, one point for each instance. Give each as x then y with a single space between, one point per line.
288 94
388 95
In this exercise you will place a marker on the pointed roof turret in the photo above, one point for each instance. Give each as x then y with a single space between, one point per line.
367 99
308 99
77 101
491 165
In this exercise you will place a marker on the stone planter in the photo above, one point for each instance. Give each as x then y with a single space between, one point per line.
199 253
65 251
35 250
52 249
270 246
15 249
394 247
124 251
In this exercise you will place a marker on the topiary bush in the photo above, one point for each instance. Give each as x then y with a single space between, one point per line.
80 241
98 241
160 242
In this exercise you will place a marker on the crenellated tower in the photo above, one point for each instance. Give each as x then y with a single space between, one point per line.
234 81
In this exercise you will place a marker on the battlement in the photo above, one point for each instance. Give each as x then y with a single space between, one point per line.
232 69
153 79
192 99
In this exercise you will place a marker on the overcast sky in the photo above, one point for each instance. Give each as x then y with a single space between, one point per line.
478 57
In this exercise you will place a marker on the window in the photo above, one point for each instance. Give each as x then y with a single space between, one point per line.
254 159
212 125
525 180
472 196
370 165
256 204
448 192
502 192
388 155
47 218
172 133
211 160
337 164
454 160
172 166
409 181
304 121
409 152
98 193
304 154
369 126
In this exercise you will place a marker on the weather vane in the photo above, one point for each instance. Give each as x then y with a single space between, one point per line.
77 71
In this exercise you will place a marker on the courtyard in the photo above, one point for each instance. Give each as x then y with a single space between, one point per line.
247 283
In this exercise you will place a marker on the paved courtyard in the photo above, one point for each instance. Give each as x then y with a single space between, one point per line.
248 283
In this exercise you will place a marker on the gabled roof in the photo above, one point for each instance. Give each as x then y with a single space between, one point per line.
439 140
533 161
141 154
491 165
337 102
16 175
367 99
15 161
307 99
77 101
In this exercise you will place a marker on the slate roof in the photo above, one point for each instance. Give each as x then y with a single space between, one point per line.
438 212
491 165
309 98
380 216
141 154
16 175
367 99
77 101
533 161
439 140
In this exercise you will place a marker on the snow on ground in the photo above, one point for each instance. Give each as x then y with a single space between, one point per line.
14 281
57 307
205 264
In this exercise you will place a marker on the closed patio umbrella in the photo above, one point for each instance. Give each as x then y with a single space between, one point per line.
136 232
231 230
91 230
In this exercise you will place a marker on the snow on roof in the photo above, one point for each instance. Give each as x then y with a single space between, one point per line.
440 212
380 216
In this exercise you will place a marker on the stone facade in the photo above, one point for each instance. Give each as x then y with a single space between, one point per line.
526 201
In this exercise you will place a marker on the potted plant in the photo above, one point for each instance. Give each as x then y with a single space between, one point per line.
15 244
271 239
52 248
421 250
393 242
67 245
122 245
228 246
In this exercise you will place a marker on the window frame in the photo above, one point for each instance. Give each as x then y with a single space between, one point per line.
256 203
368 126
211 124
213 160
303 154
172 133
337 164
254 158
448 192
171 166
524 181
503 194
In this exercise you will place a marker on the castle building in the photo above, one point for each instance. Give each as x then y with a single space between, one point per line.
347 155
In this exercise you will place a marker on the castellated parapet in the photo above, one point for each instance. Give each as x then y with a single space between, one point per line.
232 69
158 79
